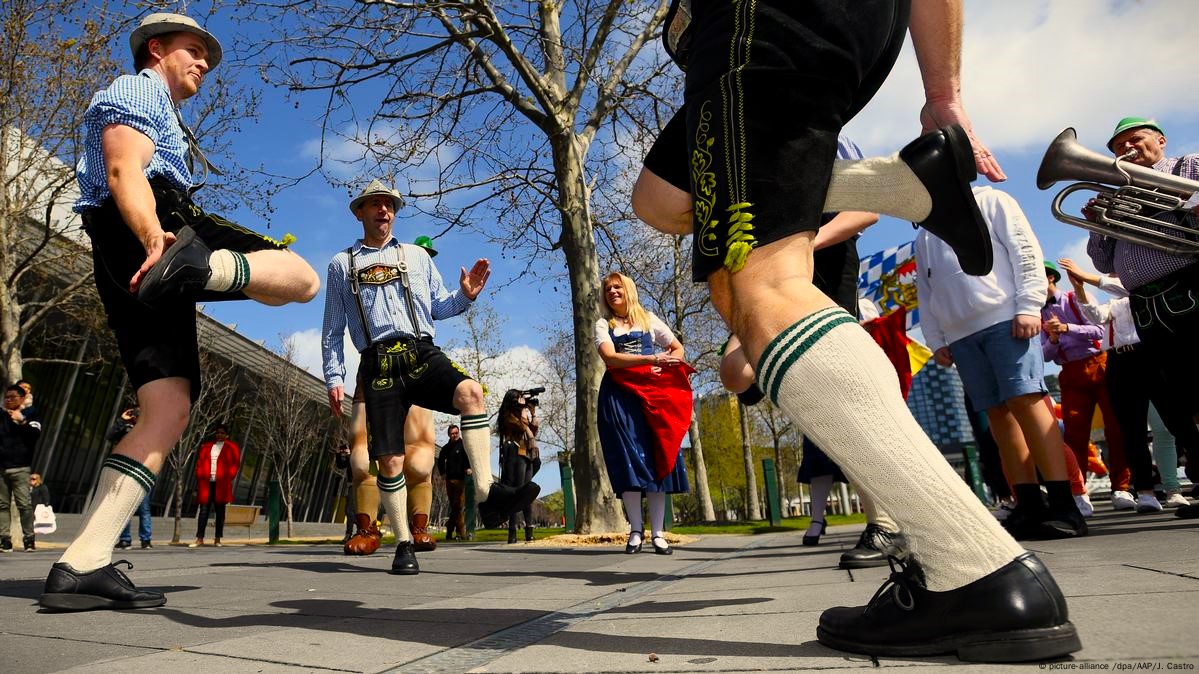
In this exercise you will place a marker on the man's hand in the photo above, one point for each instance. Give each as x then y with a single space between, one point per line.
472 282
1077 273
941 113
943 356
155 244
15 415
1025 326
336 395
469 471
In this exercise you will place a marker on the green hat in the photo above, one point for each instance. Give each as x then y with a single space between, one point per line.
1129 123
1051 268
426 243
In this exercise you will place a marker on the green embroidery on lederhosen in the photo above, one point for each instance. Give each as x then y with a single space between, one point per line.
407 357
704 179
383 380
739 237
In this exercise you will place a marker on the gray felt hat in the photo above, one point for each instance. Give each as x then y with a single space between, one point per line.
162 23
376 188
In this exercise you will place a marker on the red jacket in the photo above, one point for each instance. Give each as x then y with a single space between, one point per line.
226 469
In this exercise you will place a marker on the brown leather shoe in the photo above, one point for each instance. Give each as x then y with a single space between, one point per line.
421 539
366 539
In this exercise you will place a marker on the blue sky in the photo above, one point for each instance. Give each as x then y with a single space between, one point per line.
1030 69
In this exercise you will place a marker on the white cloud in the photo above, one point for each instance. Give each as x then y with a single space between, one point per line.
1032 67
307 345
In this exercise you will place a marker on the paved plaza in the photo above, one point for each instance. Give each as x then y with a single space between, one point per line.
721 604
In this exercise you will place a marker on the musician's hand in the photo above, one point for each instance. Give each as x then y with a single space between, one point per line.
943 356
941 113
1088 211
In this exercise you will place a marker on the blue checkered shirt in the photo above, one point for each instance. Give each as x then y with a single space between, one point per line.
142 102
382 300
1134 264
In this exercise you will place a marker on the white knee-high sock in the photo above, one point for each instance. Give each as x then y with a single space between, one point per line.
876 515
878 184
830 377
632 509
122 486
657 512
476 440
393 493
818 490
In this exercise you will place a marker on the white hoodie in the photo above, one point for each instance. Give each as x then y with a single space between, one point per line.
954 304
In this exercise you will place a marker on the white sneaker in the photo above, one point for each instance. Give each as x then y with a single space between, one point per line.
1122 500
1148 503
1084 504
1175 500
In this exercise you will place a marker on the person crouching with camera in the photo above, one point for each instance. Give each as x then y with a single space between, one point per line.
519 457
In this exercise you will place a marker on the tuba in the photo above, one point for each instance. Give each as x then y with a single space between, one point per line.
1129 199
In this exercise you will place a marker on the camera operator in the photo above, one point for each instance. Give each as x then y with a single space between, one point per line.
519 457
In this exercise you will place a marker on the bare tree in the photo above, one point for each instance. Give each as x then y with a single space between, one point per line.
218 403
780 429
753 510
503 104
293 427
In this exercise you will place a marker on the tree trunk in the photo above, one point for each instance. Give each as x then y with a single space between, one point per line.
701 472
598 509
752 507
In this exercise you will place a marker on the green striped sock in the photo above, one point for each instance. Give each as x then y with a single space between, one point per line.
829 377
123 483
393 494
230 271
476 439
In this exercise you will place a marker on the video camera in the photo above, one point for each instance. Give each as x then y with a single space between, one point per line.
531 396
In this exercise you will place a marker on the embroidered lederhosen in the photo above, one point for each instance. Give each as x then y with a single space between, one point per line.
399 372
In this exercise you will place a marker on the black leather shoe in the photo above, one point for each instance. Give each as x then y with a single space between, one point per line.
1026 524
1188 512
944 162
663 549
183 269
105 588
1014 614
874 546
122 545
404 563
1064 522
631 548
503 500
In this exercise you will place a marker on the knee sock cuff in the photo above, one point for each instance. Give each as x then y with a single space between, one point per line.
124 465
786 348
391 484
471 421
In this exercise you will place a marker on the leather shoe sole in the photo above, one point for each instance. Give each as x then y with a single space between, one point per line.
503 500
944 162
167 277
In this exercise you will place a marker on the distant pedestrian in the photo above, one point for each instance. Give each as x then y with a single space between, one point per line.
19 432
216 466
454 466
145 525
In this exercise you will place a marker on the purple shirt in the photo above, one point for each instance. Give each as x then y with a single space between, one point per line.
1134 264
1080 341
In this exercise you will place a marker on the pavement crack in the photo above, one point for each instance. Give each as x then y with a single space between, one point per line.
1164 573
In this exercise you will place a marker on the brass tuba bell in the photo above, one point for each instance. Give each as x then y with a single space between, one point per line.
1130 200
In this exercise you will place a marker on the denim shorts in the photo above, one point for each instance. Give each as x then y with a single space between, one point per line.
996 367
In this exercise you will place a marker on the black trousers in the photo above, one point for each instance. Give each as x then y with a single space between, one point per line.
517 471
1134 379
205 508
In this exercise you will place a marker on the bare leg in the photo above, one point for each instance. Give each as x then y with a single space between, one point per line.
278 277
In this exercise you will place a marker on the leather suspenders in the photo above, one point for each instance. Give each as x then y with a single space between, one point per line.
356 290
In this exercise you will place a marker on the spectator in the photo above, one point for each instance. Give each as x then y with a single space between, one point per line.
145 525
989 327
27 405
1073 342
1134 380
39 493
519 456
19 431
454 466
216 466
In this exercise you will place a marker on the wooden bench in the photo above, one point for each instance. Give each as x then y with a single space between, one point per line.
241 516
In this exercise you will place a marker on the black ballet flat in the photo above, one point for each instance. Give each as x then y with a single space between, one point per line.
815 540
661 550
629 548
